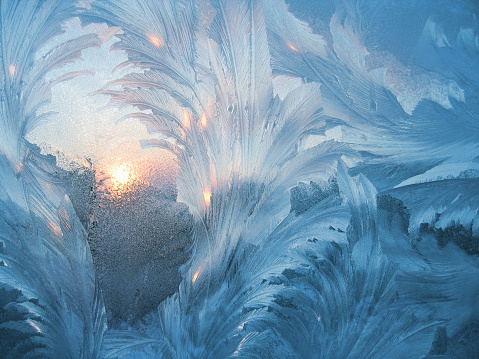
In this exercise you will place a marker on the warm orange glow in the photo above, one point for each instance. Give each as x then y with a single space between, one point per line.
54 228
19 167
156 40
292 47
121 176
207 196
12 70
203 120
35 326
186 119
63 213
195 276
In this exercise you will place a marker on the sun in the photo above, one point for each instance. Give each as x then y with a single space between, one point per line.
121 176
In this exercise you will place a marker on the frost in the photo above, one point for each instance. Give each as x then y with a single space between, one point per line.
323 200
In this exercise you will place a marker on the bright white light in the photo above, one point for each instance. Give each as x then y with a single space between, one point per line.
121 176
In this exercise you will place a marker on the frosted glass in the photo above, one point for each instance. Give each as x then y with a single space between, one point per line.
239 178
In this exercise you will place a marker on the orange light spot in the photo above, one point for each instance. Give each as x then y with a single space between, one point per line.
292 47
37 328
186 119
203 120
156 40
55 229
63 214
19 167
207 196
195 276
13 70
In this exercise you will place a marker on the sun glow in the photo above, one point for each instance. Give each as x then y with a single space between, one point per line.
121 176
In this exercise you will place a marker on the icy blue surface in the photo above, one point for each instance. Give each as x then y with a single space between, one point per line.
331 170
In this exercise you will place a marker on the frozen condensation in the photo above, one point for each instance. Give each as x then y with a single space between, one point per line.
247 178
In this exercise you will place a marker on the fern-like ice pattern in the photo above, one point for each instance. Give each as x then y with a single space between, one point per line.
333 185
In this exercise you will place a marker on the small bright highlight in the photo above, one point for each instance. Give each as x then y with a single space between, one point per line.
292 47
207 196
203 121
55 228
195 276
12 70
186 119
19 167
121 176
34 325
156 40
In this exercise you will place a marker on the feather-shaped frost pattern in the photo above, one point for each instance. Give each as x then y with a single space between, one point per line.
117 343
374 113
291 256
50 265
47 279
332 220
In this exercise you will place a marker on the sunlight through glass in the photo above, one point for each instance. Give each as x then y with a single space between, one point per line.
122 177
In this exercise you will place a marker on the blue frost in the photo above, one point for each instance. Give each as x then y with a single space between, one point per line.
336 217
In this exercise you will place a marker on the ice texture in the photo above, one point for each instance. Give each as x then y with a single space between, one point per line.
51 306
330 171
